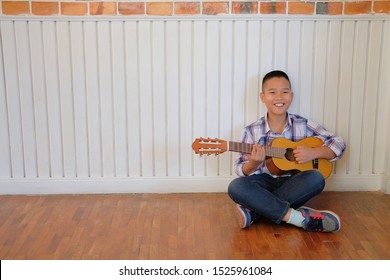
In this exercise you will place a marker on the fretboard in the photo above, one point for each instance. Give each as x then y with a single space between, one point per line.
247 149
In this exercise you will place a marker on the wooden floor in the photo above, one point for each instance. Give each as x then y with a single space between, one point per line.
183 226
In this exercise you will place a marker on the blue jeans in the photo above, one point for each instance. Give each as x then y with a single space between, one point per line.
273 197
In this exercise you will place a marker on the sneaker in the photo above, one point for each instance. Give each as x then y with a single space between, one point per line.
245 218
319 220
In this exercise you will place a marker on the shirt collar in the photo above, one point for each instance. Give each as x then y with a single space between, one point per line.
288 124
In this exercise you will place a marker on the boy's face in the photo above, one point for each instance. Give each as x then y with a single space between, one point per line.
277 95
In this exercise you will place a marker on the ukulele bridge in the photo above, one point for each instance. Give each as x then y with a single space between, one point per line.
315 163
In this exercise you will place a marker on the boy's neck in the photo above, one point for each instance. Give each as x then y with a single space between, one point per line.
277 123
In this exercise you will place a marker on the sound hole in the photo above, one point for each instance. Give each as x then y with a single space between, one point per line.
289 154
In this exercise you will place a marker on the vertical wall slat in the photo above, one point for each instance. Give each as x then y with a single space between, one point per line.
119 98
199 60
146 119
23 62
345 96
240 118
319 70
280 44
212 88
305 87
51 80
79 98
332 76
267 48
133 88
106 97
159 103
382 148
186 96
358 86
13 99
93 99
371 97
331 104
39 99
171 41
225 86
5 158
66 99
252 72
294 57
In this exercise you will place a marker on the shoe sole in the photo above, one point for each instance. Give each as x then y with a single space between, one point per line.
241 217
325 211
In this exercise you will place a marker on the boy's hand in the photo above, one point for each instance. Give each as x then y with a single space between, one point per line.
258 155
304 154
254 160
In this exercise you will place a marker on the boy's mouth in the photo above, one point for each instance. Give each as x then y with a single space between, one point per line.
279 105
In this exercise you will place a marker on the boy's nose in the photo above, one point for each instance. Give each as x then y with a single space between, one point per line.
278 94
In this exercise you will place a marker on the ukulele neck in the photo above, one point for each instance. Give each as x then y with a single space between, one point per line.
247 149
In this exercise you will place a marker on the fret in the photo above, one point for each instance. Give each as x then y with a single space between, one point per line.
240 147
275 152
247 149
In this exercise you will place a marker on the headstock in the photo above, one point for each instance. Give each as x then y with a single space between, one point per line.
209 146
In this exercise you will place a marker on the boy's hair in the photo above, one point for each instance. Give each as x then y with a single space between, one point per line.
275 74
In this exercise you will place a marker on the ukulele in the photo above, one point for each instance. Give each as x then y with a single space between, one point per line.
280 157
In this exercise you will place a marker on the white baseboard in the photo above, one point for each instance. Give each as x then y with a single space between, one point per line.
375 182
114 185
169 185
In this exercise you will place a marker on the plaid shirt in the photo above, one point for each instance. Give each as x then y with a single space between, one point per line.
296 129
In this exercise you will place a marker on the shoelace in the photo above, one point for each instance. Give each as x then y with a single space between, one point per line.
315 222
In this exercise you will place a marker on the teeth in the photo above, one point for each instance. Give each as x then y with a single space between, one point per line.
279 105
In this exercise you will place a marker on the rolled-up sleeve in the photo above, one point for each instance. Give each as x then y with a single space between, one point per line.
239 164
337 145
331 140
243 158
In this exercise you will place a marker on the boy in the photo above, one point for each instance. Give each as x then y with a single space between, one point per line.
258 192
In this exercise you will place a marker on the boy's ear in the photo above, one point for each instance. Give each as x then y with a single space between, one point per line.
261 95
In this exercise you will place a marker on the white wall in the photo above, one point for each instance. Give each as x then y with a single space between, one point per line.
114 105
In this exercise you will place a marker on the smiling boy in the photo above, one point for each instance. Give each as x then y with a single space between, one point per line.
280 197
